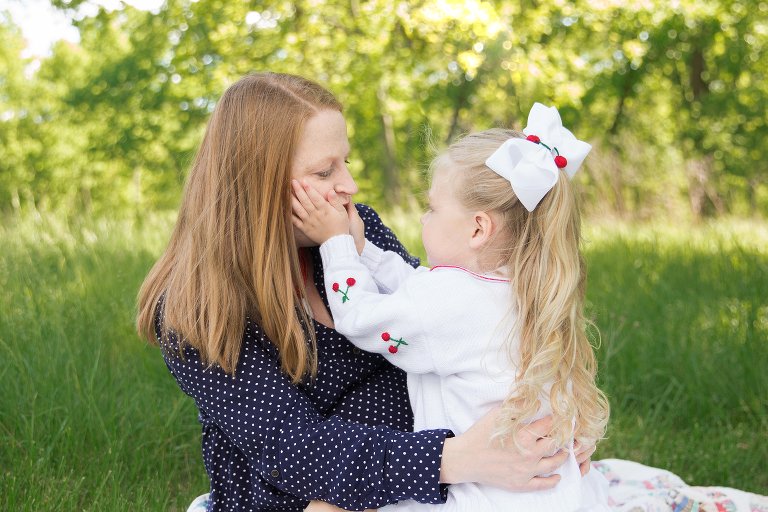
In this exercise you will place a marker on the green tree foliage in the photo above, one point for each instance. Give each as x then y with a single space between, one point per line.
672 94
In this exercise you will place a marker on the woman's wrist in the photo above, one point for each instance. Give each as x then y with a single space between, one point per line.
453 468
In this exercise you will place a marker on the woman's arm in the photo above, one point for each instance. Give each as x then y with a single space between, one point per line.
293 448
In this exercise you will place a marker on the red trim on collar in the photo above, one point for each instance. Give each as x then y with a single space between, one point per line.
498 280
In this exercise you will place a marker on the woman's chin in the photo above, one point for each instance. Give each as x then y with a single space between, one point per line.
302 240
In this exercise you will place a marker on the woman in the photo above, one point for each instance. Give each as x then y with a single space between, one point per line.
291 411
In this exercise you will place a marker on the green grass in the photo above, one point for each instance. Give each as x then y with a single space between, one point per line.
684 323
90 419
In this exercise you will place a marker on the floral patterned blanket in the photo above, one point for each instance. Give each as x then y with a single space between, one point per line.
638 488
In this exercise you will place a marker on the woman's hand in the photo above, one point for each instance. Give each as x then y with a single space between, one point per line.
356 227
314 216
584 456
473 457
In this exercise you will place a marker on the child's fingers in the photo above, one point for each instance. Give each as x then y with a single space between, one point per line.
352 212
336 202
298 208
303 198
314 196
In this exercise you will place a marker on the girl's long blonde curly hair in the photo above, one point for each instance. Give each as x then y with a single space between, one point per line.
540 251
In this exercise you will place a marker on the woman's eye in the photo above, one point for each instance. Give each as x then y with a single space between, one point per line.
325 174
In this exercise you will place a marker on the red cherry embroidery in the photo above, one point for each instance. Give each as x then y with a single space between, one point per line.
392 348
533 138
345 297
560 161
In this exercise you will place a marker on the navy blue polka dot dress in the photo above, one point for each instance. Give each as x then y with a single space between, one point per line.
269 445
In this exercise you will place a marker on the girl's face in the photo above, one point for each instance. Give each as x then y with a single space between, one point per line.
447 227
321 159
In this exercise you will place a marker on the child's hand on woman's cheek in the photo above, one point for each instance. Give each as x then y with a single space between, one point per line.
314 216
356 227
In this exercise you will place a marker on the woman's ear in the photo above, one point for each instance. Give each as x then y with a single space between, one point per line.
484 228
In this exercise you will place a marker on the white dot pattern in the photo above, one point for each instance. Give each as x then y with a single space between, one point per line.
343 438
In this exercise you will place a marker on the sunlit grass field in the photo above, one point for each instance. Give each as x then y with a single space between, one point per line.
90 419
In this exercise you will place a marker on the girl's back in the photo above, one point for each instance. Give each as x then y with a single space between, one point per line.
498 320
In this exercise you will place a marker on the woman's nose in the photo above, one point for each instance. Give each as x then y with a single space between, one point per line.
346 185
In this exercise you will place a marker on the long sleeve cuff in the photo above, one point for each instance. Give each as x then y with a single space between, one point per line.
338 248
413 466
371 256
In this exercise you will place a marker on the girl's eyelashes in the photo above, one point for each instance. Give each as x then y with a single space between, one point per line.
346 160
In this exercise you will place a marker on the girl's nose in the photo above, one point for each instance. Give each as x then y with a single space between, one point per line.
423 218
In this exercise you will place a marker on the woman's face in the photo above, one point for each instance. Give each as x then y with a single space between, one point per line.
320 159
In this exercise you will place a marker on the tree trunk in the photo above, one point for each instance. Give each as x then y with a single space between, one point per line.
137 186
698 85
391 181
701 188
86 194
355 8
461 100
617 182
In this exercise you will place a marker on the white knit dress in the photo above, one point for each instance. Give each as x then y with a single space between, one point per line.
446 327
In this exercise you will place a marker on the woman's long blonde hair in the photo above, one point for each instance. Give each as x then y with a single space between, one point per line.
232 254
540 251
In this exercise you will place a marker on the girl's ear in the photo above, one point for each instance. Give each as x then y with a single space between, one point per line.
484 228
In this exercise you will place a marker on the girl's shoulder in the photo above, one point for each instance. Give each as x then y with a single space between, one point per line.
456 287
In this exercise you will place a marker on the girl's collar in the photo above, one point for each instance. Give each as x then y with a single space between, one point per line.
487 277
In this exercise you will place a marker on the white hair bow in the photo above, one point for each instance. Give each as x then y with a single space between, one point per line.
531 165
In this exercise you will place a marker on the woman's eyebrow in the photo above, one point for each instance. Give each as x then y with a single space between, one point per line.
324 165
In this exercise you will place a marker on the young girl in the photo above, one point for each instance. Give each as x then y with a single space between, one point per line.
498 318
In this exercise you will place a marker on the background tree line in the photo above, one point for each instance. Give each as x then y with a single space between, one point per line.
671 94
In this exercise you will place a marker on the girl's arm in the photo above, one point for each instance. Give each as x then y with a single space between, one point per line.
390 264
385 324
388 269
